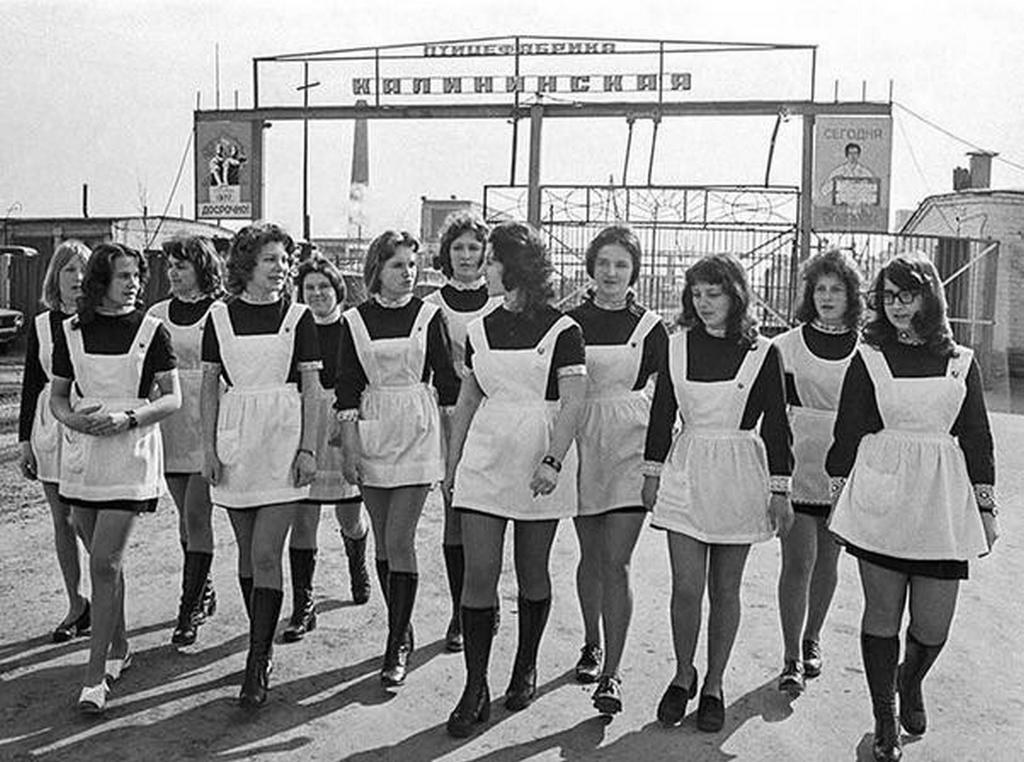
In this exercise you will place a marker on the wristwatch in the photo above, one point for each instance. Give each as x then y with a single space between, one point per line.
132 420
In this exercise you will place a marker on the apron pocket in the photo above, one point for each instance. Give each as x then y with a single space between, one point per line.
228 444
73 451
370 438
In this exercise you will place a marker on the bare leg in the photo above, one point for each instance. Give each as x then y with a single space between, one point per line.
590 531
352 520
270 527
799 550
65 540
377 502
688 558
533 541
725 574
304 526
621 531
885 595
406 505
242 522
483 539
198 509
823 582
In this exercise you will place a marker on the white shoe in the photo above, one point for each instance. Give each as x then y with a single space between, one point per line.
93 699
114 667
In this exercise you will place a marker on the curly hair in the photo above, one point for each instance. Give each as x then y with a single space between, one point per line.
726 271
455 224
383 248
917 274
525 264
245 250
201 253
317 264
615 235
99 272
837 263
67 251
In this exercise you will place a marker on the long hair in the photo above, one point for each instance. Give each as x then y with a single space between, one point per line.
832 262
917 274
726 271
67 251
317 264
99 272
617 235
525 264
245 250
455 224
383 248
202 254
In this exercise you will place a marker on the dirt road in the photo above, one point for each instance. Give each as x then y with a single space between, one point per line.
327 702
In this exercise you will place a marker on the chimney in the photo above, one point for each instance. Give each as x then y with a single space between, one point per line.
961 179
981 168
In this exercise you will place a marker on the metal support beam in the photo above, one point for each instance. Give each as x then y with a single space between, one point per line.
533 210
806 188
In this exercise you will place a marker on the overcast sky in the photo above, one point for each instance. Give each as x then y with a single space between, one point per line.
103 92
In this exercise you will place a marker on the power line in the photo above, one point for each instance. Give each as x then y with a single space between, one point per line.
924 179
959 139
174 189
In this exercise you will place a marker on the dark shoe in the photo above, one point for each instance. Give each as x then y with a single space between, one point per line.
917 660
886 746
812 658
791 680
190 608
522 687
65 631
401 598
710 713
209 602
266 608
475 705
303 619
358 576
672 707
607 697
588 668
455 569
453 636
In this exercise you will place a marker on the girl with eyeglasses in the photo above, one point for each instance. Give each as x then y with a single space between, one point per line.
912 472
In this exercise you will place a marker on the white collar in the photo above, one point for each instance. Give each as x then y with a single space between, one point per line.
331 317
392 304
459 285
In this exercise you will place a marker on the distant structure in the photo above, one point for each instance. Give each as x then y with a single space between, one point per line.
359 183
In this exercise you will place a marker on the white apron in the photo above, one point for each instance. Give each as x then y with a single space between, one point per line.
46 430
125 466
818 384
399 420
908 494
259 426
330 485
182 430
714 486
613 425
511 433
457 322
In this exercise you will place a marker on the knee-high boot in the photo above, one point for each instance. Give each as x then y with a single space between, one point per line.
245 585
266 608
303 618
533 618
475 704
401 598
194 575
455 565
917 660
358 578
881 659
382 578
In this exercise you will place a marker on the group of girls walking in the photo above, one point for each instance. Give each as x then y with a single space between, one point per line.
526 414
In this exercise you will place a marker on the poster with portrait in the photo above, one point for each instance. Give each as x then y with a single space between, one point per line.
852 167
228 171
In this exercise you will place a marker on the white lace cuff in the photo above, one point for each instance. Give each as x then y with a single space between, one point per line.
780 485
447 410
651 468
352 414
572 370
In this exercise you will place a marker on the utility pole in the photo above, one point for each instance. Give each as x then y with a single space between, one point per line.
305 87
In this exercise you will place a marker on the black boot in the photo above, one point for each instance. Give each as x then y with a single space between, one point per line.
208 603
401 597
533 617
358 577
197 567
881 659
382 577
475 704
917 660
303 619
455 565
266 608
245 585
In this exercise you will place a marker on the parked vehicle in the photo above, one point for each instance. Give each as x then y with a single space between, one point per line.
11 320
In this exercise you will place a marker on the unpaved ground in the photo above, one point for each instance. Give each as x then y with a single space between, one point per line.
327 702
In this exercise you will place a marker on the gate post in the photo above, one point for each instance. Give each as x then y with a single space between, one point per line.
533 195
806 187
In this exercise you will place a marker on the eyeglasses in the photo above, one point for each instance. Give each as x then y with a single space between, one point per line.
904 297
